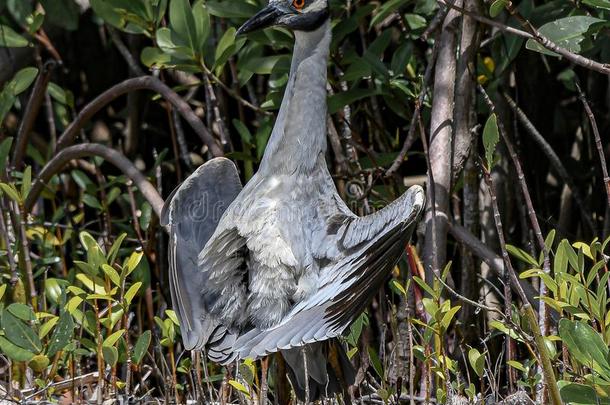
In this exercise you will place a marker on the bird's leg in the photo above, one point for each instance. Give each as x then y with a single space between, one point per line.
264 385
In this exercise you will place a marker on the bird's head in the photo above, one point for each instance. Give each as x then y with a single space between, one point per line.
298 15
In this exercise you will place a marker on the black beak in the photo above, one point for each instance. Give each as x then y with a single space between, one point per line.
267 17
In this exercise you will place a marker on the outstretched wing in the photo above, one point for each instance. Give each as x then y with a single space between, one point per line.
192 213
372 245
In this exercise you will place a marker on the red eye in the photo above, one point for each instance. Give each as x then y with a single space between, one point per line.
298 4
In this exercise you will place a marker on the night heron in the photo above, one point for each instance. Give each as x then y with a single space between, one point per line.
282 263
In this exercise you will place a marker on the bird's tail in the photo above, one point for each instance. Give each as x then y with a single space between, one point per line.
323 367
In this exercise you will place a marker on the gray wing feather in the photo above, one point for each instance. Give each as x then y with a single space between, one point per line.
347 286
192 212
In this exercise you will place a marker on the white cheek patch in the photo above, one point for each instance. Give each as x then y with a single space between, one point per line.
317 5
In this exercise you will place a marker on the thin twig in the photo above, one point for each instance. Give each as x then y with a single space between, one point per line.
546 267
603 68
133 65
552 156
505 276
533 33
138 83
234 94
494 261
547 367
112 156
598 139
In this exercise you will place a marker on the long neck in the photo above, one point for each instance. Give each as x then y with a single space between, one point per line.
298 139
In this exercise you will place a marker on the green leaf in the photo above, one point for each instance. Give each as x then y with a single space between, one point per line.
19 333
182 22
225 48
62 13
172 315
585 345
26 182
605 4
146 216
132 263
2 290
375 362
340 100
231 9
415 21
240 387
62 333
154 57
114 250
14 352
107 13
477 361
112 339
497 6
88 241
90 284
5 148
385 9
448 317
131 293
491 137
521 255
35 22
22 311
141 347
11 192
60 95
112 274
575 393
505 329
23 79
111 355
46 327
568 33
516 365
10 39
202 25
425 286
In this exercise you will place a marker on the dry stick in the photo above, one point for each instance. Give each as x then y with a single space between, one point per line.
7 241
546 267
233 93
138 83
495 263
112 156
464 90
182 145
220 124
536 36
505 278
31 112
550 45
542 327
133 65
545 360
552 156
439 148
598 139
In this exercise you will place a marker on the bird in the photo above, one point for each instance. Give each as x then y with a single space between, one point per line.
282 264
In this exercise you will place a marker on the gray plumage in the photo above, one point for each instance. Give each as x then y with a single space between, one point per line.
282 263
